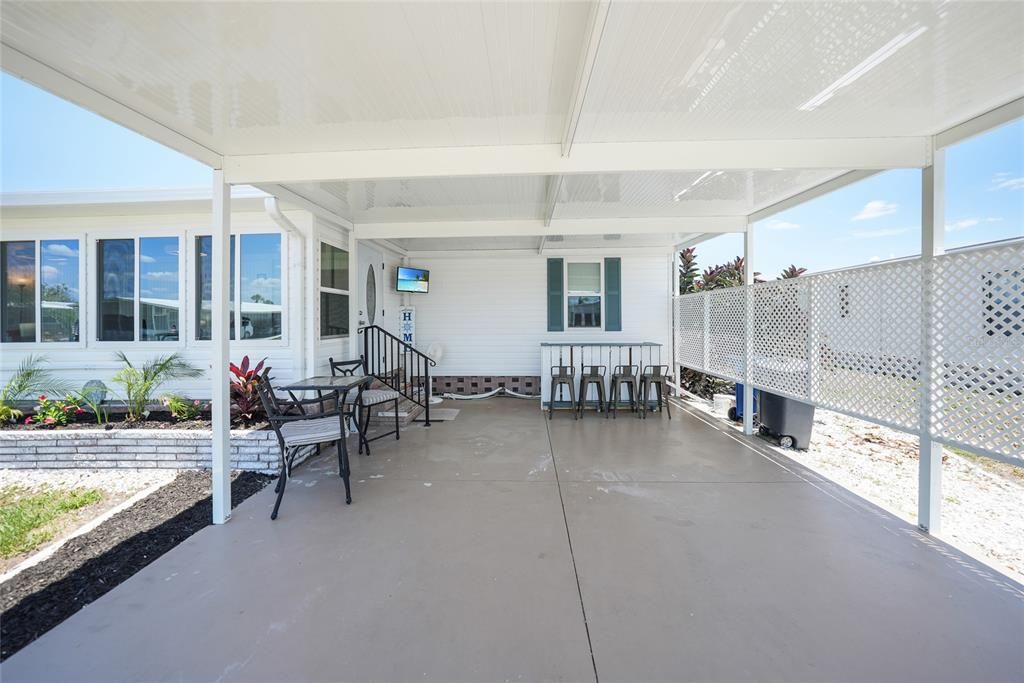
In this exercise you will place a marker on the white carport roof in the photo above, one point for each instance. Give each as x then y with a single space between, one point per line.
501 122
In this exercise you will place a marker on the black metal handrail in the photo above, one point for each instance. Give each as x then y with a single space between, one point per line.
399 365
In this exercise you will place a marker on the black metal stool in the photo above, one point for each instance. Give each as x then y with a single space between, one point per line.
593 375
654 376
562 376
622 376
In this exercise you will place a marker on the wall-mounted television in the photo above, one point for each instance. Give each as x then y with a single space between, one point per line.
413 280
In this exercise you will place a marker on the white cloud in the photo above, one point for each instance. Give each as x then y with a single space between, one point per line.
162 275
876 208
964 224
881 232
265 283
59 249
146 259
994 219
49 271
1003 181
781 225
875 259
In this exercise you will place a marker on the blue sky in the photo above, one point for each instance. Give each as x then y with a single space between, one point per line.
50 144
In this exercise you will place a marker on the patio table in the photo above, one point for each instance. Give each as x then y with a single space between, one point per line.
342 386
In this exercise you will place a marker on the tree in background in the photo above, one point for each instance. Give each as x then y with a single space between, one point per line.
791 272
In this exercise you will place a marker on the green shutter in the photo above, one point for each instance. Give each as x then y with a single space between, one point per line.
556 295
613 294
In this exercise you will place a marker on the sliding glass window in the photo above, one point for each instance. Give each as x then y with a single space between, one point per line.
58 290
259 311
18 261
159 299
115 287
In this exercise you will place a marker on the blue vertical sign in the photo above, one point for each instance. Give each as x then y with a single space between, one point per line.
407 324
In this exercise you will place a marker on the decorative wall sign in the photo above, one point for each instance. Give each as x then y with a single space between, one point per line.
407 324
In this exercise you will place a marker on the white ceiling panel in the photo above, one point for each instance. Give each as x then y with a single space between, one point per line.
254 78
757 70
432 199
691 193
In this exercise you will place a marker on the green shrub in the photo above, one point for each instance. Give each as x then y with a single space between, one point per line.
30 379
183 408
141 383
55 413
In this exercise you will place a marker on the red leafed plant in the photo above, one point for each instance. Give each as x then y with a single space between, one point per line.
244 398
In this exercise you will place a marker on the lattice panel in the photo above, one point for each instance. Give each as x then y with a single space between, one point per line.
726 333
690 331
782 313
977 356
867 349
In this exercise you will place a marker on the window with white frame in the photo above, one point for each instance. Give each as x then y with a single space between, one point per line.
40 281
138 289
256 297
583 294
334 291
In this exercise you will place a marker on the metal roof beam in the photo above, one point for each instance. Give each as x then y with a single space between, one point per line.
607 157
536 227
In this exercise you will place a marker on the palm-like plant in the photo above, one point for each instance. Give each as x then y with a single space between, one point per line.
140 383
791 272
30 379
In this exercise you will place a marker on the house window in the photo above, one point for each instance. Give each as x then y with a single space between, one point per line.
55 266
583 295
255 298
19 290
137 286
334 291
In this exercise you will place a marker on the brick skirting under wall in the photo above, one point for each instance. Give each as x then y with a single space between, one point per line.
252 450
481 384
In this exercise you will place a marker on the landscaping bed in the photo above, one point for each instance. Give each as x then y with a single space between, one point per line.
88 566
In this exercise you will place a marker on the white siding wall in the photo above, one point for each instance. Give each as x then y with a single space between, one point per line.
490 314
89 359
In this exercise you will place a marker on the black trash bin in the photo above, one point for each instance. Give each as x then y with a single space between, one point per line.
786 419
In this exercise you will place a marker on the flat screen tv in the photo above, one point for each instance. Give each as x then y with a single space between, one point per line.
413 280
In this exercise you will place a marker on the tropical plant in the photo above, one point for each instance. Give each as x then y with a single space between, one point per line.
30 379
791 272
93 398
54 413
244 398
140 383
182 408
687 270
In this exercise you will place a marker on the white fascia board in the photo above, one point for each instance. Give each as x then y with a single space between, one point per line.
591 157
981 124
824 188
536 227
527 252
29 69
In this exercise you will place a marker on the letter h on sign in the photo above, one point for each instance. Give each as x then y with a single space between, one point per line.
407 324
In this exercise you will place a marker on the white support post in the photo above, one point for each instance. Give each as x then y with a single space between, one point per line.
220 348
748 372
354 303
673 292
929 473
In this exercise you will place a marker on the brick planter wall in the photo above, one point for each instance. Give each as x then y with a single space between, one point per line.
481 384
164 448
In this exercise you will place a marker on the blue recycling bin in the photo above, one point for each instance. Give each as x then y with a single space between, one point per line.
736 414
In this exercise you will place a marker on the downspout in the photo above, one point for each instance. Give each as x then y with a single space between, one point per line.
273 209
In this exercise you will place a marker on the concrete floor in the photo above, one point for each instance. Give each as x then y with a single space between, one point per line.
658 551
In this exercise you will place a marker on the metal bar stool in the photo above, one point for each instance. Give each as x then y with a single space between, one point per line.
562 376
593 375
623 376
654 376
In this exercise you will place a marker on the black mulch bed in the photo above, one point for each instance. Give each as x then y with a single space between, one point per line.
86 567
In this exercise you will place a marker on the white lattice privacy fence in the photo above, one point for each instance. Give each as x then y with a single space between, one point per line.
854 341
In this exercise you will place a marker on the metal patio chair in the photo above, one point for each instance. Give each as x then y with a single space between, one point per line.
366 400
562 376
592 376
298 430
656 377
623 376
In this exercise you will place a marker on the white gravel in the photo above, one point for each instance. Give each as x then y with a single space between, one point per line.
122 483
983 499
